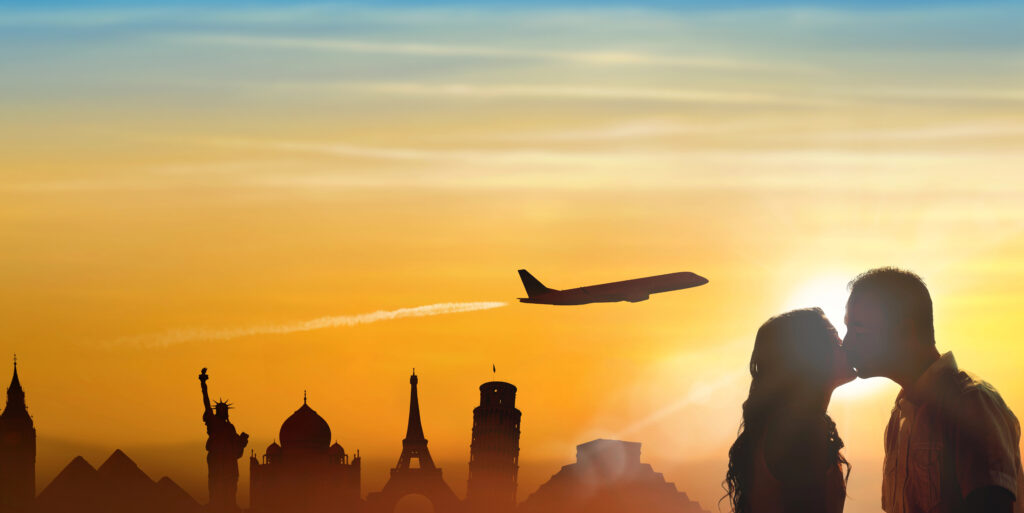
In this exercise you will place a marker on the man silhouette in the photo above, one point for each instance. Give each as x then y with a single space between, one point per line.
223 448
952 444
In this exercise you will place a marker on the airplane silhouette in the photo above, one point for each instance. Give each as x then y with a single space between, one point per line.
630 290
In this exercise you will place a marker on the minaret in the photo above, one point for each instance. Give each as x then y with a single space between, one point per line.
494 451
415 444
17 451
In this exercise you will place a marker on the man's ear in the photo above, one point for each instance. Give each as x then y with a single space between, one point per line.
910 332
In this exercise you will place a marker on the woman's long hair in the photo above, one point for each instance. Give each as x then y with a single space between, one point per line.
792 352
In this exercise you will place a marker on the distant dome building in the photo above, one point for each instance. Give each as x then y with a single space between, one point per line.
305 430
305 473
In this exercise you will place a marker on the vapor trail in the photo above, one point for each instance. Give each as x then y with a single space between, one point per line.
335 321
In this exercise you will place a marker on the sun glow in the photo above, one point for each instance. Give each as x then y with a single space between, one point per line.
826 292
829 293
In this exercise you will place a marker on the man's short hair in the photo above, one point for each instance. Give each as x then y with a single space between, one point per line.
901 294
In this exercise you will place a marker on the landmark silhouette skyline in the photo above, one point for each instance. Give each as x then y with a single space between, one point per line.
306 473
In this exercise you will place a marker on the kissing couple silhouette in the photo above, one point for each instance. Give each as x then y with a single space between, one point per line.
951 445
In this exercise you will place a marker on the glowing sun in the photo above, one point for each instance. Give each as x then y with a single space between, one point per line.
829 293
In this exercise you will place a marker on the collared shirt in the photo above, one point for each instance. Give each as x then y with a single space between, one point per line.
949 435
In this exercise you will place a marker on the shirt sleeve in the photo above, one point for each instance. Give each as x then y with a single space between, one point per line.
987 441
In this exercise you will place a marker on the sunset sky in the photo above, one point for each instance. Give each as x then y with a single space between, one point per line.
189 186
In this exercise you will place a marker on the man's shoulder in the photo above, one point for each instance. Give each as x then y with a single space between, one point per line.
967 385
970 394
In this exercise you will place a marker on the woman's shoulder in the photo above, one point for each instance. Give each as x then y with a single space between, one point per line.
796 446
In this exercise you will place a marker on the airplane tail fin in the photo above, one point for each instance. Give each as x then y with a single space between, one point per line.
533 285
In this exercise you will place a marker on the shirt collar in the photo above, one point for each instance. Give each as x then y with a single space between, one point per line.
927 384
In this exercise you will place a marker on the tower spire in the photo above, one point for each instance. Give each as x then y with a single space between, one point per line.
15 382
415 443
15 394
415 428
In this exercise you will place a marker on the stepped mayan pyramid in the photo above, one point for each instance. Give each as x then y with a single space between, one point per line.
608 477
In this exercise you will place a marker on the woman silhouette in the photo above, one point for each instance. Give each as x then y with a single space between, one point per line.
786 457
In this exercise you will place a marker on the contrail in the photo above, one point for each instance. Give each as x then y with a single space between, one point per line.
335 321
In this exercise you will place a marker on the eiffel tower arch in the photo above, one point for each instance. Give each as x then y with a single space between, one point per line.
421 478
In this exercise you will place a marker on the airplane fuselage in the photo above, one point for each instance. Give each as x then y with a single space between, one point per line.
633 291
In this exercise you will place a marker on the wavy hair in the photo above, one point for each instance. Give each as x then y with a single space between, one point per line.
791 351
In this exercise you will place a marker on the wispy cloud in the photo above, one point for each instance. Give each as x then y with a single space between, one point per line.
836 97
336 321
423 49
629 130
972 94
123 16
564 92
936 133
475 156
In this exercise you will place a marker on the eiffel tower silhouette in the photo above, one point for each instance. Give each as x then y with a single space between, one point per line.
424 478
414 445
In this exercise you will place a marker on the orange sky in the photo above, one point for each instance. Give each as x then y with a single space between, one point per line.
236 175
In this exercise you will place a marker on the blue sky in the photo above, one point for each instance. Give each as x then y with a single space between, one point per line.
654 3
